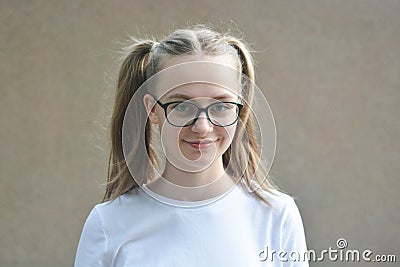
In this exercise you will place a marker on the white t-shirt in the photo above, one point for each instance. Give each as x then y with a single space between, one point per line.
237 229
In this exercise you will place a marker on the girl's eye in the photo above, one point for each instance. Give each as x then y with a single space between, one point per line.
182 107
220 107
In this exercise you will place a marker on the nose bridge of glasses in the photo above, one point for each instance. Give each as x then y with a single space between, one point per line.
202 120
201 111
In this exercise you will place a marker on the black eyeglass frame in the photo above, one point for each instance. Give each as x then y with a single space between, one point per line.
199 111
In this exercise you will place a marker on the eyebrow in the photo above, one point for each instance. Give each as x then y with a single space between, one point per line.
188 97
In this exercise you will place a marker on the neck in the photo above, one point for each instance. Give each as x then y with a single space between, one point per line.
194 179
193 186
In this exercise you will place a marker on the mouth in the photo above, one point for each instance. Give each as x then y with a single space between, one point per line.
201 144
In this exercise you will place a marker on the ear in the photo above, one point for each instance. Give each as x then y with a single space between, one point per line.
150 105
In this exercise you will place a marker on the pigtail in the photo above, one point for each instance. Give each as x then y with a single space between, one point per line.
251 169
132 75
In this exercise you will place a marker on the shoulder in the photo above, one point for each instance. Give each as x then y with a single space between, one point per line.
282 209
133 198
288 219
279 201
283 203
93 243
134 205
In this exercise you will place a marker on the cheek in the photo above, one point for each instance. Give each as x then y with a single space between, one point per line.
228 133
169 134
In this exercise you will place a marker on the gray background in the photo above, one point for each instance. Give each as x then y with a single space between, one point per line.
330 71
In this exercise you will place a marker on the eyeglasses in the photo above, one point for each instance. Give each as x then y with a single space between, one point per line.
186 113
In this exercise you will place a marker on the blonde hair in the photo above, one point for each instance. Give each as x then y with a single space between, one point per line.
143 58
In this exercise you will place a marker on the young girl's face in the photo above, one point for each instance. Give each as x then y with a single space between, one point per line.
198 146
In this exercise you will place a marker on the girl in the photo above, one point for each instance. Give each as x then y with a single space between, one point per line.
185 187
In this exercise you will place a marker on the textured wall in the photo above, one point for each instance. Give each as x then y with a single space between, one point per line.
330 70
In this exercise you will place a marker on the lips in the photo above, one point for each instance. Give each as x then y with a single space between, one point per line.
201 144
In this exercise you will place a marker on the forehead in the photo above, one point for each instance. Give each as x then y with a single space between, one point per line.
201 90
200 76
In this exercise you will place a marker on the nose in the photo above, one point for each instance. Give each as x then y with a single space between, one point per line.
202 126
